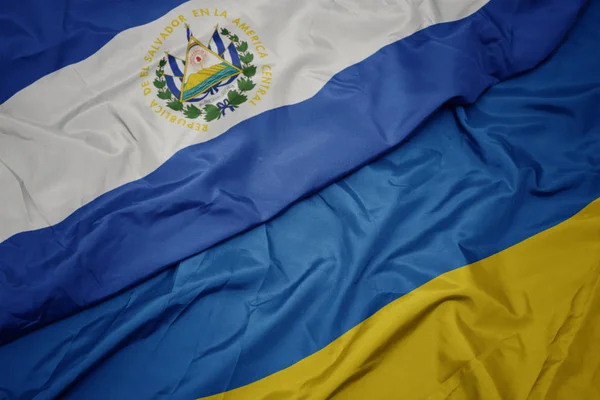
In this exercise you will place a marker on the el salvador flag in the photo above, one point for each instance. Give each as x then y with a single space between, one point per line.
139 256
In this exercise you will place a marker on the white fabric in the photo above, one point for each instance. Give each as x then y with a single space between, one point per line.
87 128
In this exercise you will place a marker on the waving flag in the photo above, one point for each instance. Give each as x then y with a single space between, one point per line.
124 174
108 177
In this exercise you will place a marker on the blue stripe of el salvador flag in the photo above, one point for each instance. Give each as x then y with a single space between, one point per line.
109 177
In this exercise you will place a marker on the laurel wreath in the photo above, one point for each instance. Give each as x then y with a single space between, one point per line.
235 97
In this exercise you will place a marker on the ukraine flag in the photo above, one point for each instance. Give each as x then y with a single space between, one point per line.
300 200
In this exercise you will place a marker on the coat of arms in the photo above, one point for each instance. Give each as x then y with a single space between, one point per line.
206 80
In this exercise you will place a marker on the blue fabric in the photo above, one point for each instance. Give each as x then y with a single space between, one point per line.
209 192
470 182
39 36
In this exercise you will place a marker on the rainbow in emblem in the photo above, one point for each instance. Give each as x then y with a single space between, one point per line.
192 77
203 70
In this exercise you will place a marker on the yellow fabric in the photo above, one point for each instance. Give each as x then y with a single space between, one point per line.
521 324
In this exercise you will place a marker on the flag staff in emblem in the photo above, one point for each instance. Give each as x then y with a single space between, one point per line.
212 36
188 32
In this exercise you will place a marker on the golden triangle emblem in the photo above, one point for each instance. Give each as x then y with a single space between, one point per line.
203 70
